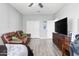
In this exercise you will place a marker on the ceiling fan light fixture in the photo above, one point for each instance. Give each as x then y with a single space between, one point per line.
40 4
30 5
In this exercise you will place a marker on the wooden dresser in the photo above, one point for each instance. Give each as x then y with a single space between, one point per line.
62 42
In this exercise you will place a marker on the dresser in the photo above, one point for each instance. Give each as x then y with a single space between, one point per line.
62 42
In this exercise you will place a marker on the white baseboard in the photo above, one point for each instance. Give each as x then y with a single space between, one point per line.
41 38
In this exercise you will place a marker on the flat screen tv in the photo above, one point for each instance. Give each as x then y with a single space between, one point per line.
61 26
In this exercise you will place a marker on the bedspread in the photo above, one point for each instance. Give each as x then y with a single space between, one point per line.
16 50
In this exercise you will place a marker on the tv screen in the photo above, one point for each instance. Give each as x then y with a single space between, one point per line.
61 26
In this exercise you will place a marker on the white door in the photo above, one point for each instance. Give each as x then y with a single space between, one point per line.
50 28
43 29
33 28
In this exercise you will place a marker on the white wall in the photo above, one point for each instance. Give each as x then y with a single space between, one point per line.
10 18
72 12
15 19
38 18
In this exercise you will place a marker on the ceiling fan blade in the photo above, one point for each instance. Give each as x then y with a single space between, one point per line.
30 5
40 4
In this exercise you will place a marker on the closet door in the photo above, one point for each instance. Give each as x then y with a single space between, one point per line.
43 29
50 28
33 28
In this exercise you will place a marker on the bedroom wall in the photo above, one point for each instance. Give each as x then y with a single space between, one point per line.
10 18
39 19
15 19
72 12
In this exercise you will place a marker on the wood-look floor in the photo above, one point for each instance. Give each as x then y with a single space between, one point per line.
44 47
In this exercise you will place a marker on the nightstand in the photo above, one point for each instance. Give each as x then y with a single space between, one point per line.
3 50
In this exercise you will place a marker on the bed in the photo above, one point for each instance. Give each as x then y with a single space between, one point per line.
15 50
16 45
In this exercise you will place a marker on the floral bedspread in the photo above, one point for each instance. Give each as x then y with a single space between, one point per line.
16 50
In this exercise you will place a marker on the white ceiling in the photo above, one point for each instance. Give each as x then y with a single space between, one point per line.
49 8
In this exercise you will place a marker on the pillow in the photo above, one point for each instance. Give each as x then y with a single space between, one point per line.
14 38
24 34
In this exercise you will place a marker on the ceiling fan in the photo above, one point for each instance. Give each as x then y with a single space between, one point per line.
39 4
